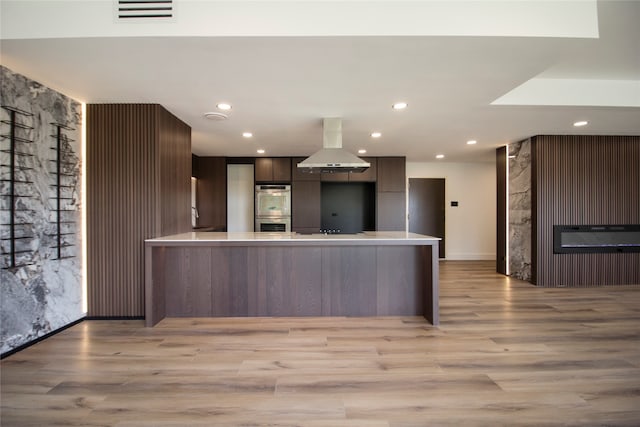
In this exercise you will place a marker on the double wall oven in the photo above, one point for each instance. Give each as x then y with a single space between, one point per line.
273 208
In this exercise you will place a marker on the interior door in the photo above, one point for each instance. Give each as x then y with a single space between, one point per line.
427 208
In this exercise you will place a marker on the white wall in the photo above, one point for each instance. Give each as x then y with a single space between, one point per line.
240 197
470 228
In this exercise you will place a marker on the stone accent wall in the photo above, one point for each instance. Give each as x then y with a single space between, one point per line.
520 210
41 284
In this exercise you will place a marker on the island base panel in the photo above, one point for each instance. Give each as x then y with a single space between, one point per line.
237 281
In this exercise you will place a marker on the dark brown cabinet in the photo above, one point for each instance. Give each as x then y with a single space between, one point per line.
273 169
391 212
391 209
263 168
281 169
211 191
302 176
306 196
370 175
335 177
305 199
392 174
305 206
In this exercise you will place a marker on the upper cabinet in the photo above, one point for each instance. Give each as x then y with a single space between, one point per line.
302 176
391 197
370 175
391 174
273 170
334 177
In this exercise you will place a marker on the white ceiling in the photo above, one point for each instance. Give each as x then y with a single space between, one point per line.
493 88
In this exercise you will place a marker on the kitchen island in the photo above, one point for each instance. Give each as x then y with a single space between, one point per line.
204 274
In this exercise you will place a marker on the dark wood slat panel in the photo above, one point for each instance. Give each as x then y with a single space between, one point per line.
115 213
138 187
585 180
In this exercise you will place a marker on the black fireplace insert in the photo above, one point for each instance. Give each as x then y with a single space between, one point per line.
569 239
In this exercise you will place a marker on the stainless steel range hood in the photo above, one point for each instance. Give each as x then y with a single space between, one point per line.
332 158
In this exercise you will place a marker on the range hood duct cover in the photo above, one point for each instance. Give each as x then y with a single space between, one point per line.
332 157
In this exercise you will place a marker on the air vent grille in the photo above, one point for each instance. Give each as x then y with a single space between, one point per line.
132 10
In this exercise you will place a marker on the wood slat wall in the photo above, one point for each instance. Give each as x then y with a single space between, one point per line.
138 187
585 180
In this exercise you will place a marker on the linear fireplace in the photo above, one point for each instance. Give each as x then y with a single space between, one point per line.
596 238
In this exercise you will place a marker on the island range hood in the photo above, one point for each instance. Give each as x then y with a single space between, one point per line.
332 158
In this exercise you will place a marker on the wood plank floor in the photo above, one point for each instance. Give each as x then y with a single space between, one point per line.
506 353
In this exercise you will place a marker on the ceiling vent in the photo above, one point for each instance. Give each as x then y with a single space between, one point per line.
144 10
215 116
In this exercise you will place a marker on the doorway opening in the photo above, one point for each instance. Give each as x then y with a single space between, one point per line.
427 208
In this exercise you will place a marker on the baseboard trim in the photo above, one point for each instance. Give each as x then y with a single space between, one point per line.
471 256
114 318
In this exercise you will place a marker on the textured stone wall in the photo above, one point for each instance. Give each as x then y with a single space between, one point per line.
40 288
520 210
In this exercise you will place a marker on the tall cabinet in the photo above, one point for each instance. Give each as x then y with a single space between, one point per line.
138 187
305 199
211 192
391 197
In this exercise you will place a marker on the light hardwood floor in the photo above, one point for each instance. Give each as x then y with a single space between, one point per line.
506 353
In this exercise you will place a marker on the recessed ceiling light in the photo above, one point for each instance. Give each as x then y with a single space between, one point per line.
213 115
376 134
260 151
399 105
362 151
581 123
472 142
247 134
224 106
440 156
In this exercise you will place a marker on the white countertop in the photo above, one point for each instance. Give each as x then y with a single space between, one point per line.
367 237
